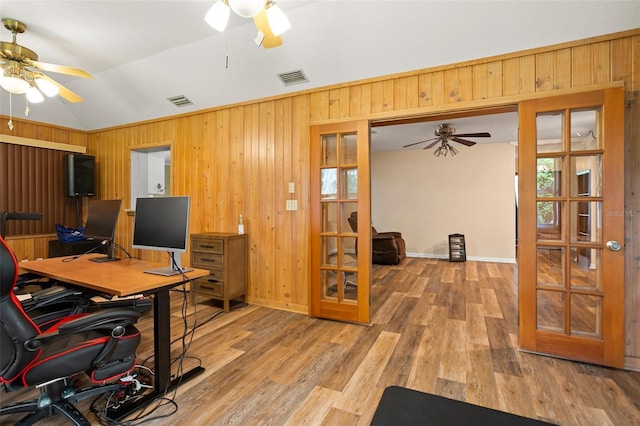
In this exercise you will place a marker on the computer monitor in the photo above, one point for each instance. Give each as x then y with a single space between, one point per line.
162 223
101 225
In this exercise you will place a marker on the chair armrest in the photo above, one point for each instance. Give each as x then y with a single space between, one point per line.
104 319
383 237
392 233
384 243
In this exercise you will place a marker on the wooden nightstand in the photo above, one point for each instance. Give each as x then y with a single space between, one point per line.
225 256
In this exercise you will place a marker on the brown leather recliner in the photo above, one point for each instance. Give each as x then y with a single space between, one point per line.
387 248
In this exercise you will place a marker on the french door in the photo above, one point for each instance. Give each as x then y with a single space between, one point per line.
571 216
340 199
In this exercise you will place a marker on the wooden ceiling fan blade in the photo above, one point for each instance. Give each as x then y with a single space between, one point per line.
63 91
262 24
60 69
475 135
271 41
416 143
462 141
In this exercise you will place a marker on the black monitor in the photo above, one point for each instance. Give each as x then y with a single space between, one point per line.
101 225
162 223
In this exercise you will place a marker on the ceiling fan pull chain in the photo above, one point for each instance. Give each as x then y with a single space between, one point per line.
226 52
10 123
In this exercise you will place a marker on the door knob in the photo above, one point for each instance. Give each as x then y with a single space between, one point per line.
613 245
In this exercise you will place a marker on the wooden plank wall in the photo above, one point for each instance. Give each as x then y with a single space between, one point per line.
239 159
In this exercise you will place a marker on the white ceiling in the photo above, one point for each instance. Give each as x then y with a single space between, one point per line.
143 52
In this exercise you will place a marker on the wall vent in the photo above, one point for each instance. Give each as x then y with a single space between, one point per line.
180 101
293 77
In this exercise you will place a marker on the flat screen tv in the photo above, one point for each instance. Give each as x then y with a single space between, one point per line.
162 223
79 174
102 218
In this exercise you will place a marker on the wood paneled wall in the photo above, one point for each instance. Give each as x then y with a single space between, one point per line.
239 159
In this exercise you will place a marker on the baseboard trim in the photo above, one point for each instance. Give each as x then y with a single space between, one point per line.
283 306
474 258
631 363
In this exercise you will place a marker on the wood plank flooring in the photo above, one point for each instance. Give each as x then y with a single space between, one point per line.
438 327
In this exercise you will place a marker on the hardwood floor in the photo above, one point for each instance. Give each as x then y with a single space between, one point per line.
438 327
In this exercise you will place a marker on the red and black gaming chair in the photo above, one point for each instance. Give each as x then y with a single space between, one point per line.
100 344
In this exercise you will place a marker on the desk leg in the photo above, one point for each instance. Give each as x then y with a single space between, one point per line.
162 340
162 358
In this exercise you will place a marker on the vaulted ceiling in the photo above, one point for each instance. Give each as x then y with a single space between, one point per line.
143 52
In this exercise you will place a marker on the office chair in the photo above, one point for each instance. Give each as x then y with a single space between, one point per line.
100 344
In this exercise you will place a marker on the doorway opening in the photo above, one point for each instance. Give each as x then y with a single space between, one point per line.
426 197
150 172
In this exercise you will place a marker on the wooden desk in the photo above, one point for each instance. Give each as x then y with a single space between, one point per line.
126 277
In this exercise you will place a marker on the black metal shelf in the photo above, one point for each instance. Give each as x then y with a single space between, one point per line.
457 248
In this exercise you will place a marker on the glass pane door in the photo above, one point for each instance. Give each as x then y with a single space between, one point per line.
569 243
339 287
571 284
339 199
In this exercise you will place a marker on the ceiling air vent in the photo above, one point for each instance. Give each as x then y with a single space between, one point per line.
180 101
293 77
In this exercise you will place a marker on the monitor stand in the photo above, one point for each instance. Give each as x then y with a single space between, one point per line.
167 271
174 267
109 257
103 259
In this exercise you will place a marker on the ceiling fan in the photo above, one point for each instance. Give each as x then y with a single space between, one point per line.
22 73
269 19
446 133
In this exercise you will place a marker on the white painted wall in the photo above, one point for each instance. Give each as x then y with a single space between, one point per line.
427 198
155 173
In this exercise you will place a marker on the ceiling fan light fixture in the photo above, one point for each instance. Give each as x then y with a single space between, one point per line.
46 87
277 19
247 8
218 15
15 84
445 149
34 96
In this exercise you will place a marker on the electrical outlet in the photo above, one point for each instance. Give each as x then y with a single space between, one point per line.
292 205
292 188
